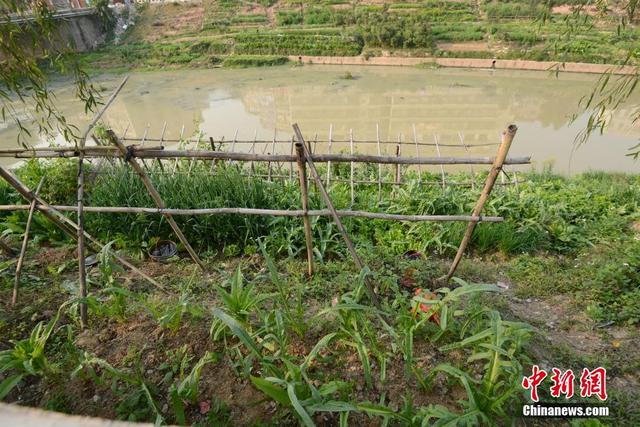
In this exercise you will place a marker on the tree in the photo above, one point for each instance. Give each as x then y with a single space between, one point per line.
31 50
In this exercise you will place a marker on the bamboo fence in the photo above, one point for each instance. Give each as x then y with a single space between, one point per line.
303 154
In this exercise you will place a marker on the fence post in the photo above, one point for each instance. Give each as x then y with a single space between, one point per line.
507 139
304 193
327 200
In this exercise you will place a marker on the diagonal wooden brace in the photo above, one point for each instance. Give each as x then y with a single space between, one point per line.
65 224
154 195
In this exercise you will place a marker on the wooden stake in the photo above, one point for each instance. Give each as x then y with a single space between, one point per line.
64 223
379 165
23 249
336 218
273 151
444 181
415 142
304 193
330 151
398 165
507 139
164 128
466 148
175 164
353 195
80 236
156 198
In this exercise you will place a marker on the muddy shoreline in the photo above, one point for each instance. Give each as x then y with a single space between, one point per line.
503 64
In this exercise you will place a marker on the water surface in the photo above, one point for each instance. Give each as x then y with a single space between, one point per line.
450 106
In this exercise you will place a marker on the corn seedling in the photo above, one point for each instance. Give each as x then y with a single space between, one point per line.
27 357
240 301
138 396
185 391
496 343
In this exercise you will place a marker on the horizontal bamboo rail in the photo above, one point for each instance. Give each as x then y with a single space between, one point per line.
253 211
206 140
158 153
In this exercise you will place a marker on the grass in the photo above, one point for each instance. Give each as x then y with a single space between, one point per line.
553 225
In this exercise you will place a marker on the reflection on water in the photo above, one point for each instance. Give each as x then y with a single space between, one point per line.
405 104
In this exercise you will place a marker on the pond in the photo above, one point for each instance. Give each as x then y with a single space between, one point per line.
447 106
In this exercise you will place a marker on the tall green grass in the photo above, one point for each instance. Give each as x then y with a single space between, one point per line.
546 213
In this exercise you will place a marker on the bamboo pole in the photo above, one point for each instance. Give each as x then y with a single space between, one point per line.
290 163
304 194
273 151
328 185
444 181
379 165
23 248
82 275
213 148
353 195
415 142
157 199
159 152
397 164
268 141
507 139
255 211
177 159
466 148
142 141
164 128
334 214
253 151
64 223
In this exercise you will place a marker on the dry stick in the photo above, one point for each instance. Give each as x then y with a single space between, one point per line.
64 223
379 165
330 151
157 199
353 196
415 141
334 214
507 139
82 274
444 182
473 172
253 211
25 241
304 193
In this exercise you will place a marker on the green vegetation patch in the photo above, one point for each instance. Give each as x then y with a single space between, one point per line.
296 43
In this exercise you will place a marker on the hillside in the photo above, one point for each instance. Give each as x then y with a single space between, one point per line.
204 33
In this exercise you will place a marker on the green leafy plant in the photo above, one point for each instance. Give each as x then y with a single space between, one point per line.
27 357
